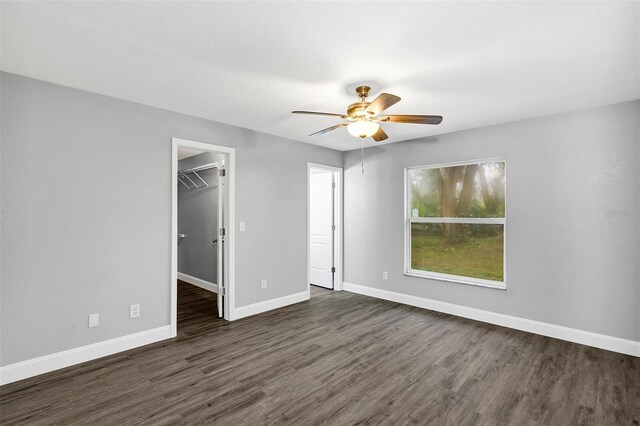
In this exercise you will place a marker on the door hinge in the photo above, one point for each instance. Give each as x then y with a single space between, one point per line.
222 291
333 269
221 231
333 184
333 227
223 172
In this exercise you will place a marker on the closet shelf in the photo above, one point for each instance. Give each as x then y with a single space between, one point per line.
183 176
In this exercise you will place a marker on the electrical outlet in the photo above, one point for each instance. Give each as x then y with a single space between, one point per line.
385 275
243 226
134 311
94 320
264 284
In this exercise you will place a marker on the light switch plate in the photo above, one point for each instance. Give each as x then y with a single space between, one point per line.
94 320
385 275
243 226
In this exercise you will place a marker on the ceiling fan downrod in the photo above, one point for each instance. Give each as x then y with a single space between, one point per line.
363 92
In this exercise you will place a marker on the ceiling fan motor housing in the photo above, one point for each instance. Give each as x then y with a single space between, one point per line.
358 109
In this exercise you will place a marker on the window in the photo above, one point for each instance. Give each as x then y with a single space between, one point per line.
455 222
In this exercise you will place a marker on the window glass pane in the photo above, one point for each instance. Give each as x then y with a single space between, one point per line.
472 190
468 250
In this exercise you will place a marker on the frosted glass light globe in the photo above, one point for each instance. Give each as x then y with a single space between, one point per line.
363 128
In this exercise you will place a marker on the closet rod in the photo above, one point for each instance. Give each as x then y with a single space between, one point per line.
194 170
200 168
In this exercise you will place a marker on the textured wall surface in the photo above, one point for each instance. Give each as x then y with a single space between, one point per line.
86 212
573 190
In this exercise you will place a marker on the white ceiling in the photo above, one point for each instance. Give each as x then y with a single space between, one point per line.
250 63
186 153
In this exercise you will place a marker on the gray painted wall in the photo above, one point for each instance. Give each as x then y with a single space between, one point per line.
86 205
198 220
85 186
570 261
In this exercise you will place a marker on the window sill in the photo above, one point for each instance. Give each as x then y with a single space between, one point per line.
497 285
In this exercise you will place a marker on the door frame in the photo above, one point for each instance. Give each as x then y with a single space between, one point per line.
337 206
230 166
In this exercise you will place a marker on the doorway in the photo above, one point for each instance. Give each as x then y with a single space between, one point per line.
324 228
199 185
202 237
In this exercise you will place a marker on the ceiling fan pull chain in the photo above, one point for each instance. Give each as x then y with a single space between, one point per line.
362 151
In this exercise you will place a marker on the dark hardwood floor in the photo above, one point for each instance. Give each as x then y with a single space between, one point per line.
337 359
318 291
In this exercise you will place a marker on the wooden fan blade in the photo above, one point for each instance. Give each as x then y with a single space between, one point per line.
330 114
380 135
382 102
328 129
414 119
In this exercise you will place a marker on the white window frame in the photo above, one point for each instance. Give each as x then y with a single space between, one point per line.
500 285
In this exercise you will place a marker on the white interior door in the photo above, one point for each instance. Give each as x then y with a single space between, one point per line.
321 221
221 239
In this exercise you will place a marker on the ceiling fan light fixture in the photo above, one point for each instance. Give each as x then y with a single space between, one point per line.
362 118
363 128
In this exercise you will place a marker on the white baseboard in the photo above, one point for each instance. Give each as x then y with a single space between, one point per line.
269 305
198 282
44 364
615 344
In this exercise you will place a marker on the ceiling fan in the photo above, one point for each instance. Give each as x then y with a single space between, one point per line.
363 118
